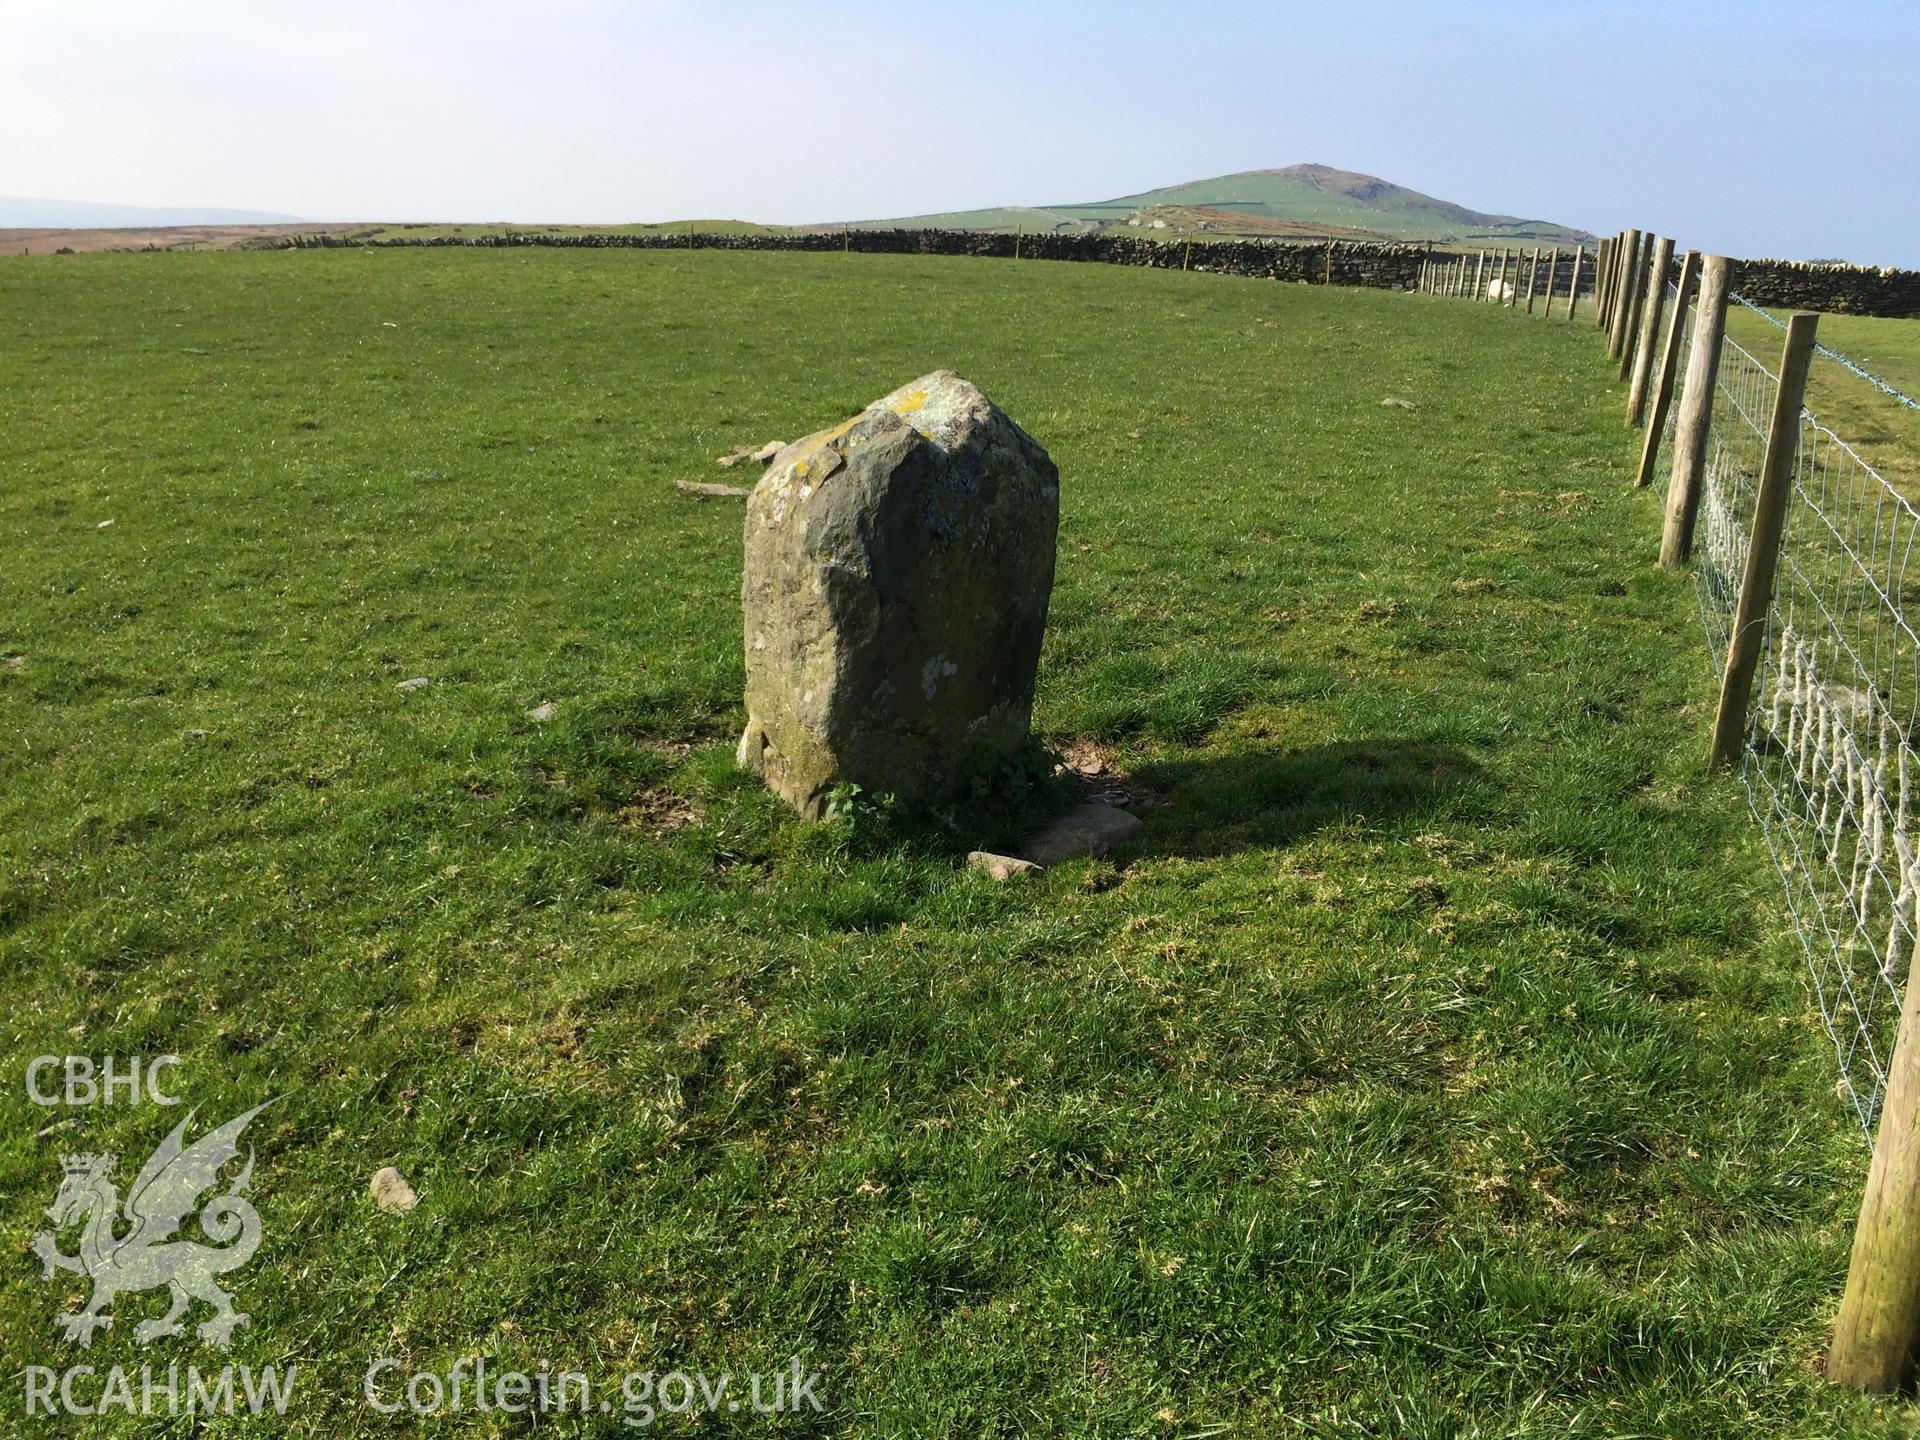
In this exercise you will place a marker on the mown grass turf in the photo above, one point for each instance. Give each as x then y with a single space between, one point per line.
1434 1065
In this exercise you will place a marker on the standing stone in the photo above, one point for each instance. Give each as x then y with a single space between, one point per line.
897 573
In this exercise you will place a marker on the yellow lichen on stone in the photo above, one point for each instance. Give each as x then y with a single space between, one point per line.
802 464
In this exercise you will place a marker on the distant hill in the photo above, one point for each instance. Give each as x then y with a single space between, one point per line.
20 213
1300 200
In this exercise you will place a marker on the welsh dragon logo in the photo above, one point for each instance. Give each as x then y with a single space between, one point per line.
149 1255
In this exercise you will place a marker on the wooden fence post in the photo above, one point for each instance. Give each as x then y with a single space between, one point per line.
1327 279
1603 278
1875 1334
1650 309
1696 411
1617 287
1533 277
1616 254
1629 269
1750 619
1573 283
1479 267
1636 306
1669 370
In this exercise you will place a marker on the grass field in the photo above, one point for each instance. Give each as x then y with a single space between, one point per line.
1435 1064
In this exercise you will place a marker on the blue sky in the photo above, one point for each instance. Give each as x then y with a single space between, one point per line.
1755 129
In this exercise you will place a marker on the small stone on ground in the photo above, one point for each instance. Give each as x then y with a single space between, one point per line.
546 710
1398 404
1001 867
419 682
391 1192
762 453
701 487
1085 759
1089 830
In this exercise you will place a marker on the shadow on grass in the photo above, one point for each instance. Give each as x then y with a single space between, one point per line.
1244 799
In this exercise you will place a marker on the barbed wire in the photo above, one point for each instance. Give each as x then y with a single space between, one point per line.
1842 361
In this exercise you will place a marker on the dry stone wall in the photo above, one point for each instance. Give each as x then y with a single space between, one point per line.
1836 289
1391 267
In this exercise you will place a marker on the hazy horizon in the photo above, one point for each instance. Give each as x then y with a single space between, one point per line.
1756 130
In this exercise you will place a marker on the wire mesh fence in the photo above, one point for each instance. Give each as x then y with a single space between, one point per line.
1829 764
1736 446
